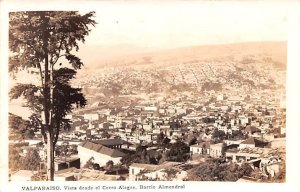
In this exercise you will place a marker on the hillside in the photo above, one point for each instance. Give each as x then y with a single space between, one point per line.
244 66
111 56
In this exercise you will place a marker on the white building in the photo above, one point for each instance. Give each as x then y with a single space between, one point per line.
216 150
201 148
150 108
220 97
232 142
22 175
100 153
138 171
91 116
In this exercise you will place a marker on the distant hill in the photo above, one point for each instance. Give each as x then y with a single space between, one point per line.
243 66
97 56
111 56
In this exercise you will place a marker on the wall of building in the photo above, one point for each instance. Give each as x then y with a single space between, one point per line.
242 146
216 151
133 171
85 154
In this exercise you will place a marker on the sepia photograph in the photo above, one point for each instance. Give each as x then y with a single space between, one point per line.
147 91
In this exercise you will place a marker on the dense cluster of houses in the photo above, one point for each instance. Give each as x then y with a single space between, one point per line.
252 126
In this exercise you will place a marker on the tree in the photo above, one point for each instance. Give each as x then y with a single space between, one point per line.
162 140
96 166
65 148
218 136
105 135
178 152
218 170
141 155
89 163
14 158
20 128
29 133
245 170
32 160
73 149
42 42
160 137
128 159
109 165
17 127
193 141
238 135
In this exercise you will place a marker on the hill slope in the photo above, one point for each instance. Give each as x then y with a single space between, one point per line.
122 55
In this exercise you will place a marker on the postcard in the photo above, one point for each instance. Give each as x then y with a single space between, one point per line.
148 95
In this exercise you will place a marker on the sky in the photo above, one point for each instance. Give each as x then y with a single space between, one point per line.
170 24
184 23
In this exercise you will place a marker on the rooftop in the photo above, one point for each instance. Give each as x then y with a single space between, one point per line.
201 145
67 171
23 173
151 167
101 149
111 142
247 179
264 152
216 145
253 141
65 159
252 129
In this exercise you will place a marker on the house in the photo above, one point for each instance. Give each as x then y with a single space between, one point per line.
247 154
78 124
170 111
225 128
101 154
244 120
66 162
104 112
201 148
205 137
91 116
180 110
220 97
162 111
95 175
21 175
271 169
246 179
252 142
106 125
232 141
224 108
252 131
140 171
278 143
146 138
132 139
66 174
147 126
112 143
216 150
150 108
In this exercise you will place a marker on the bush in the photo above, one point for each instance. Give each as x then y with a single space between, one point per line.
89 164
96 166
14 158
217 170
32 160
